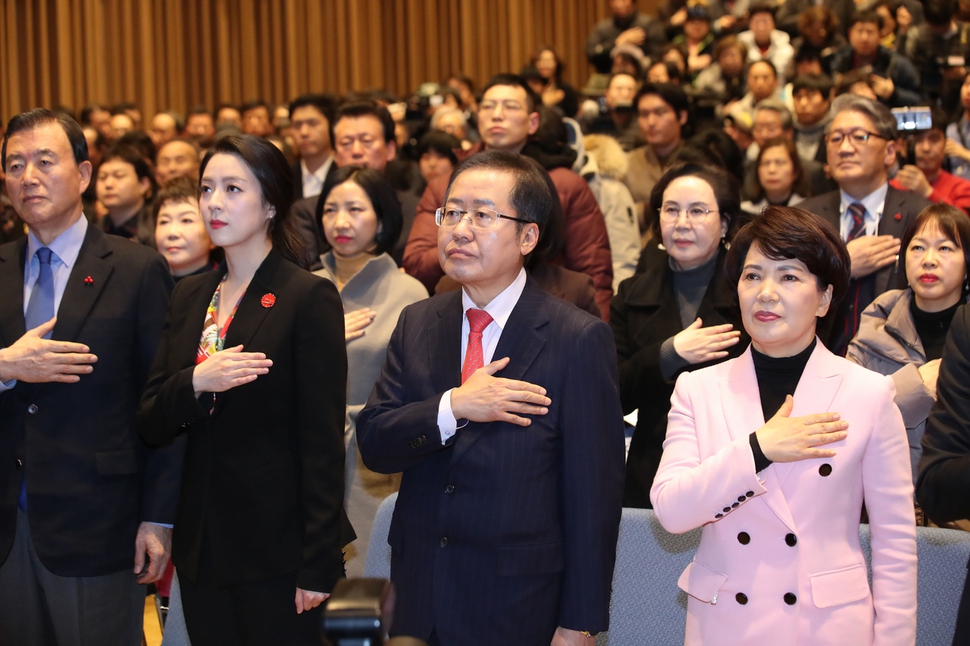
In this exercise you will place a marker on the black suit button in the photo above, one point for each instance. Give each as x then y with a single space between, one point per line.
742 598
19 463
726 509
790 599
749 494
449 488
825 469
443 542
740 498
791 539
32 409
718 515
744 538
735 505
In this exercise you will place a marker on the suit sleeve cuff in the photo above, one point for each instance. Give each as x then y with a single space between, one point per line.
447 424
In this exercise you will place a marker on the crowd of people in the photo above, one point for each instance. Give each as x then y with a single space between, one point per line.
227 337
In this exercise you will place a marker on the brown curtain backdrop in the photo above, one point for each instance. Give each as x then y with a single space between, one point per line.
173 54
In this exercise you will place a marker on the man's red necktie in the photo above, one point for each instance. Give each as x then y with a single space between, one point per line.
478 320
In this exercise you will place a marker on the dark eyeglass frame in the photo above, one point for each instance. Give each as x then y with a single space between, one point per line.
856 136
439 216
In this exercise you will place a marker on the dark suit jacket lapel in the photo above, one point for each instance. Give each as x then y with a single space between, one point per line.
654 289
445 348
12 259
889 225
251 313
895 203
522 342
80 294
829 209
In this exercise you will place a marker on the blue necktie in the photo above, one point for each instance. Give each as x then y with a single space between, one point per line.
40 309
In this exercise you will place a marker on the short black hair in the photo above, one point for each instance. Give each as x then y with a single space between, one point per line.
764 61
671 93
382 197
139 140
123 107
440 142
867 17
38 117
939 13
252 105
197 110
358 109
813 82
761 7
788 232
84 118
325 103
531 98
530 195
133 156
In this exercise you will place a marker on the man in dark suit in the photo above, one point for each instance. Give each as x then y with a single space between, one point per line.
310 117
871 214
77 487
362 135
501 406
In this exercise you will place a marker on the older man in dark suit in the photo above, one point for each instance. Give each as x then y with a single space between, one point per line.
78 489
500 404
871 214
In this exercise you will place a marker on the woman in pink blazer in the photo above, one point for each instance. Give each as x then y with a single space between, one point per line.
780 501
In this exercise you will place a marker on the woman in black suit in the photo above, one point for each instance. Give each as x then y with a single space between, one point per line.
679 313
252 368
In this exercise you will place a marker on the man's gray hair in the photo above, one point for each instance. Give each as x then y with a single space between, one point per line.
440 112
883 121
776 105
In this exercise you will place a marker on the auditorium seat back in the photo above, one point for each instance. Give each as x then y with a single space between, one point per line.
648 608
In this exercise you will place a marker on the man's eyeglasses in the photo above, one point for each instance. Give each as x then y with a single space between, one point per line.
695 214
481 219
857 137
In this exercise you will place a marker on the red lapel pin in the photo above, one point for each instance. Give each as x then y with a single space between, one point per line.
898 217
88 280
268 300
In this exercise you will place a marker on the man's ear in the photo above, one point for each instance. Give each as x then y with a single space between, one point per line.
86 170
890 154
529 238
391 150
683 118
533 123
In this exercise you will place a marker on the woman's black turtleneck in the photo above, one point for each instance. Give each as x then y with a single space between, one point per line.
777 378
931 327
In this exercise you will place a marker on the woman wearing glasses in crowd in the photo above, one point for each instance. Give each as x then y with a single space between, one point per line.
360 217
252 370
902 332
679 313
771 453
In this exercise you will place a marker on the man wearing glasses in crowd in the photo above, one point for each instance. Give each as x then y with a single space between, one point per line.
508 116
500 405
870 214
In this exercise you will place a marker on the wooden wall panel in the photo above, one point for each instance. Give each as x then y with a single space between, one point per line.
174 54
